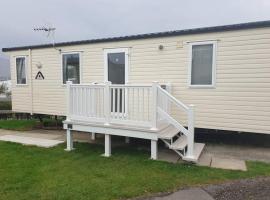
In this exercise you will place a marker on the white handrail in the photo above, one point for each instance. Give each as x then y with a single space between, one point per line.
190 115
176 101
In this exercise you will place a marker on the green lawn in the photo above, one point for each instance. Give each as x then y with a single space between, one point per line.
26 125
37 173
19 125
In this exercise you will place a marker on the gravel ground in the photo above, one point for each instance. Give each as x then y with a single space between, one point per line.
249 189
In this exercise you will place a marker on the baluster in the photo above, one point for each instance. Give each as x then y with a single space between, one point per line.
118 103
148 104
142 104
113 110
123 103
133 103
138 104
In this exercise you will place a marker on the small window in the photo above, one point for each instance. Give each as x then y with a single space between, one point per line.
71 68
20 71
202 64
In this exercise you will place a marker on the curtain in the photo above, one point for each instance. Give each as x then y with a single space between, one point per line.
21 74
202 60
71 68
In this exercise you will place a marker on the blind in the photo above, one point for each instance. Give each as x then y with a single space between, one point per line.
202 64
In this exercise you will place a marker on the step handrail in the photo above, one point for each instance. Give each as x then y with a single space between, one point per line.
176 101
190 114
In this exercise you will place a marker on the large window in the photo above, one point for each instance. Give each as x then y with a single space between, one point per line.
202 64
71 67
20 71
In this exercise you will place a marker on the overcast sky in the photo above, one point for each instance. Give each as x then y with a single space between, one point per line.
82 19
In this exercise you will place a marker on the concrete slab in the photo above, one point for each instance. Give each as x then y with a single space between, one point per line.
227 163
205 160
189 194
40 142
168 156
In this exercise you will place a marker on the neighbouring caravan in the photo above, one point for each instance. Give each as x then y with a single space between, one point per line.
214 78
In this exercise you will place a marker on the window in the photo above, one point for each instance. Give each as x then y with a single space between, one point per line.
71 67
20 71
202 64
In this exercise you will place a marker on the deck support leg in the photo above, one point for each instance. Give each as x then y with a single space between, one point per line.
154 149
93 136
107 145
127 140
69 141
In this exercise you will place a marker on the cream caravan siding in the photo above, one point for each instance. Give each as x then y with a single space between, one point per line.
240 101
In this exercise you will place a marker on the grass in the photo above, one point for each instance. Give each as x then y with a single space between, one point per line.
37 173
19 125
27 125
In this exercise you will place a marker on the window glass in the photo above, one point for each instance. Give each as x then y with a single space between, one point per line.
71 68
202 64
20 70
116 68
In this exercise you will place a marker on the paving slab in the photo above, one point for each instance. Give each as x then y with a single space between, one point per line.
227 163
40 142
188 194
168 156
205 160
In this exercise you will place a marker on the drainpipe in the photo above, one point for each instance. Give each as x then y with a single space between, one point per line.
31 80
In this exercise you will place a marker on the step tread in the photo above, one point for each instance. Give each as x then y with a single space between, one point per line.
180 143
198 148
168 132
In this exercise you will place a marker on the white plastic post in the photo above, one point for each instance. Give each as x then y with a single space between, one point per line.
107 103
69 141
190 137
68 83
93 136
127 140
107 145
154 149
154 104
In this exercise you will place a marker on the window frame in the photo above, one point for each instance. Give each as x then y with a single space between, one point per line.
213 84
26 70
62 67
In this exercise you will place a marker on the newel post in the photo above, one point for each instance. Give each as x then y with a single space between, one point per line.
107 102
68 83
190 138
154 104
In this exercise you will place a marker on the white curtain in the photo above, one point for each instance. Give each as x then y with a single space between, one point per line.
21 75
202 59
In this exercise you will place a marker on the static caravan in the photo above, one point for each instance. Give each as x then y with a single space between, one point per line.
156 86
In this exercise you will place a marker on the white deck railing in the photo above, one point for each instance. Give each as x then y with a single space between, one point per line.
133 105
107 103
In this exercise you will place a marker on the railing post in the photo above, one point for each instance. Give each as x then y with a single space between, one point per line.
155 99
190 137
107 103
68 83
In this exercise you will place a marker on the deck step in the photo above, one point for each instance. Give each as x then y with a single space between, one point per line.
168 133
198 148
180 143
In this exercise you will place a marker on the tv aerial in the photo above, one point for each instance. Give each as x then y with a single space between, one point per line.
49 32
